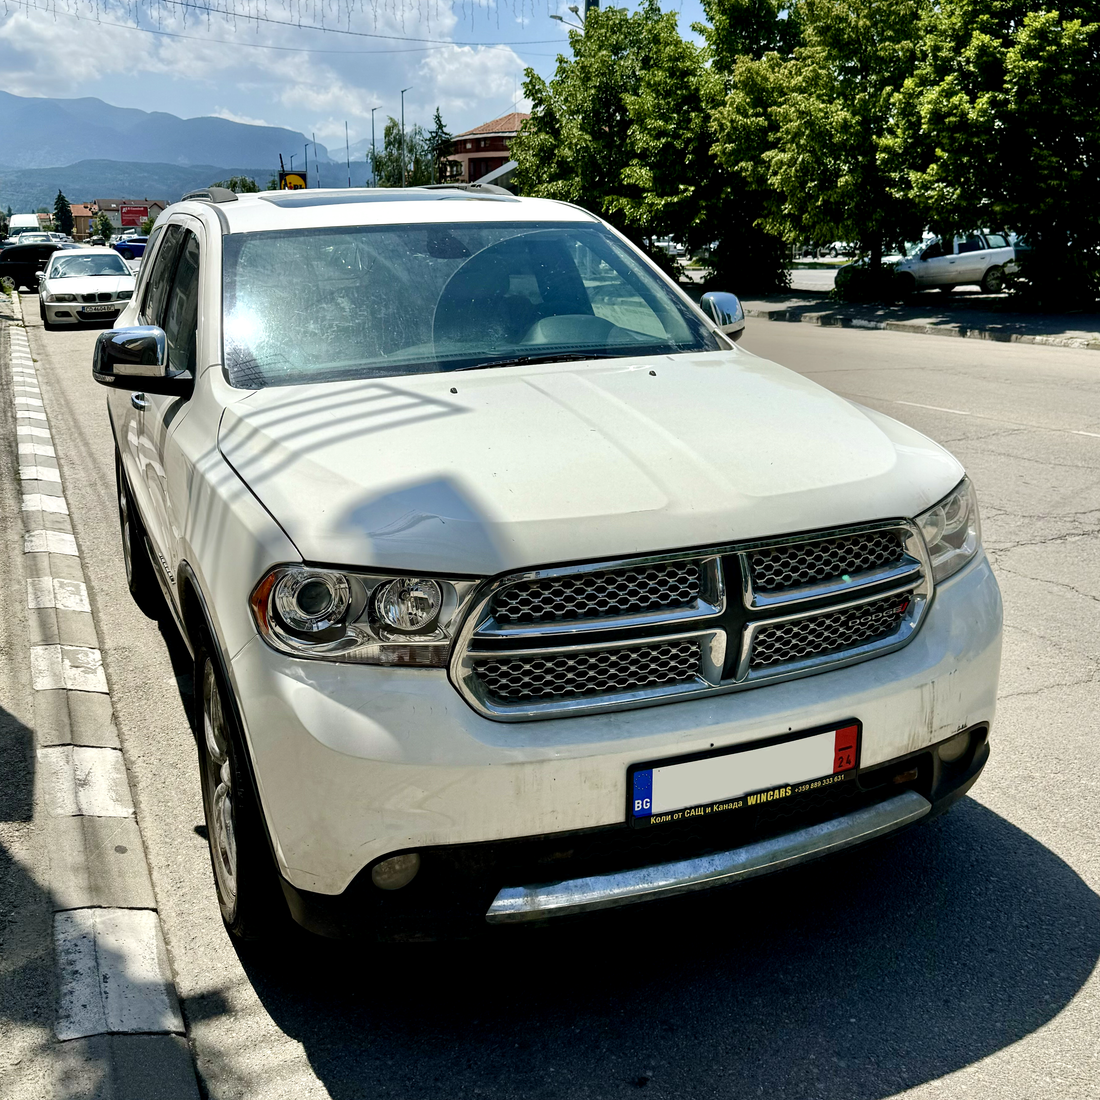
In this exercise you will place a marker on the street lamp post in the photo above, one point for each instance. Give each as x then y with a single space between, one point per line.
305 153
373 154
403 173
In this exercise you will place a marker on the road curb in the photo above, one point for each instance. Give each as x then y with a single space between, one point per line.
830 320
119 1021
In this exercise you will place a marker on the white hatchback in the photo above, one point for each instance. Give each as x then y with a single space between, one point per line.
89 284
514 587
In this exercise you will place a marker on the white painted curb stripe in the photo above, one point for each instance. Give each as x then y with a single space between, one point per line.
74 667
40 473
39 450
40 502
49 542
78 781
23 414
32 431
65 595
113 977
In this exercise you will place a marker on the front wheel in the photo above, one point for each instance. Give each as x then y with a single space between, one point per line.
127 254
251 903
993 280
906 285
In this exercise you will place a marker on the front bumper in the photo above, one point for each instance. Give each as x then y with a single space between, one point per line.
71 313
354 763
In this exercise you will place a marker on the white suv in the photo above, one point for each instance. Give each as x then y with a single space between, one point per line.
515 588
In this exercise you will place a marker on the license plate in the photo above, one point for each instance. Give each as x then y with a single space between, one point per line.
99 309
703 785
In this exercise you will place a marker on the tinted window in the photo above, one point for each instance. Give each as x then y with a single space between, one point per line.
316 305
973 243
182 310
996 240
160 277
934 251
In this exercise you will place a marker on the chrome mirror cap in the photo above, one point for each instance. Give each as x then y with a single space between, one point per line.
136 358
726 311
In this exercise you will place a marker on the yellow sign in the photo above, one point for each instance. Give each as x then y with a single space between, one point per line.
292 181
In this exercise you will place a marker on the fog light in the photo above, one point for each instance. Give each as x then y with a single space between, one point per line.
955 749
395 872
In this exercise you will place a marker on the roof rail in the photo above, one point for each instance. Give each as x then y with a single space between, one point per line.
210 194
487 188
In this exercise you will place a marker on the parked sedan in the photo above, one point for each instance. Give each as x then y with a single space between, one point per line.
977 258
93 284
131 248
23 263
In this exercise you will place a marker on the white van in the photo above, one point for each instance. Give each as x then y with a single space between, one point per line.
22 223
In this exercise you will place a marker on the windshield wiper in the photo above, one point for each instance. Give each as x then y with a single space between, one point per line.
522 360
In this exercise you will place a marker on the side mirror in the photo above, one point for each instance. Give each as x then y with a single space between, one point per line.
137 359
726 310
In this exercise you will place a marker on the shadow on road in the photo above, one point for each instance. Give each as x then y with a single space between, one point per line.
854 978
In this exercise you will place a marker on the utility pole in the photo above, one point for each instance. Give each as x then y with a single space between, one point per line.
305 150
315 157
403 173
373 154
347 151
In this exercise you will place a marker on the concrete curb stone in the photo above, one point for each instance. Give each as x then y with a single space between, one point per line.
113 969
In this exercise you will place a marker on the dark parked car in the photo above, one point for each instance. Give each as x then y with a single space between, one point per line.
22 263
130 248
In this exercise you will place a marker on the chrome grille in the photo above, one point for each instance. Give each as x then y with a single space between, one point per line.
604 593
779 567
814 635
591 672
102 296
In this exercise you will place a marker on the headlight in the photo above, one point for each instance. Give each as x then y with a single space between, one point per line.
59 297
952 530
124 295
366 618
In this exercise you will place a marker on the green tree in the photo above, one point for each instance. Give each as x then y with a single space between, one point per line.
242 185
63 215
1001 113
439 140
751 29
832 110
102 227
622 126
418 156
147 225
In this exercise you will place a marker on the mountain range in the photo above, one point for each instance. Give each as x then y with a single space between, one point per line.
43 133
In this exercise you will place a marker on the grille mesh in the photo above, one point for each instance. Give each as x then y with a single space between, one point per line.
667 586
818 634
102 296
779 567
516 679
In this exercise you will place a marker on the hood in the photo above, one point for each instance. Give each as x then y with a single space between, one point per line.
91 284
501 469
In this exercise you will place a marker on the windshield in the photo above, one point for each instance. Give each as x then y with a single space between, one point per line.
67 267
318 305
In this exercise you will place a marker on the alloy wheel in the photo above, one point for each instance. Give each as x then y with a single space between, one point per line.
220 790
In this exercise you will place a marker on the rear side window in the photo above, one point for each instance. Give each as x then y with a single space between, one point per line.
181 313
973 243
160 277
996 240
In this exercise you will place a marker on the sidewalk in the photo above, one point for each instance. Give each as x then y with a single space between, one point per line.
974 316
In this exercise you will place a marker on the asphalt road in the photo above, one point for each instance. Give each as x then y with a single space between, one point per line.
958 959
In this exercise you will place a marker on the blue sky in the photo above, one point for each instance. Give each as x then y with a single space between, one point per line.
263 70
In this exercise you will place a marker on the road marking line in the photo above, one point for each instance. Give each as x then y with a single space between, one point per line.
78 781
74 667
40 473
935 408
1091 435
114 976
49 542
56 592
42 502
39 450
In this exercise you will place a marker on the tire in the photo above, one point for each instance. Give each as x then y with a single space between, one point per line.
906 285
127 254
993 280
140 577
252 905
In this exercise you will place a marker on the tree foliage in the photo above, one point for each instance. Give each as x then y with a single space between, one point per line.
439 140
63 215
242 185
386 166
1001 127
102 226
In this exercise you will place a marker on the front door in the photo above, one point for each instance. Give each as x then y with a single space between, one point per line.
937 265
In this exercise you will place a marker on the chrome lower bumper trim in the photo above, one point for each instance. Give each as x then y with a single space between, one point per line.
524 903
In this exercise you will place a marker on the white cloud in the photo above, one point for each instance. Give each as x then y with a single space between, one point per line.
230 116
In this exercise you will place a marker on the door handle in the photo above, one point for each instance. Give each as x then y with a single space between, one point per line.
138 401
